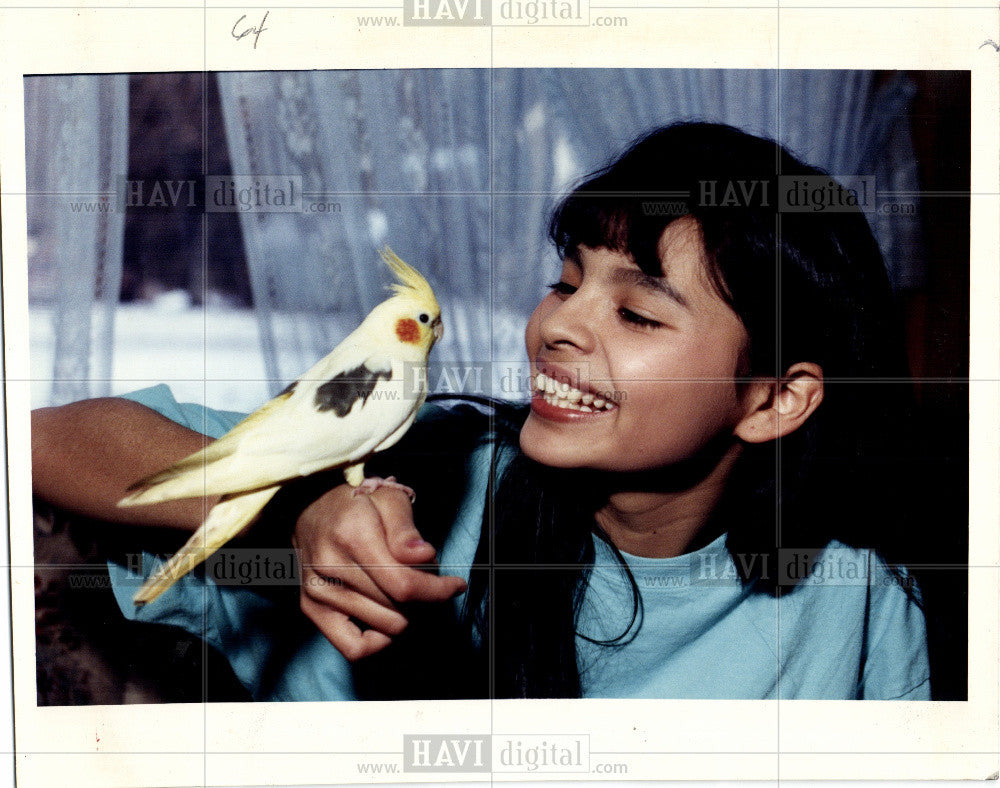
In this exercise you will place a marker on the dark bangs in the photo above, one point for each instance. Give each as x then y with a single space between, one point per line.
604 212
626 206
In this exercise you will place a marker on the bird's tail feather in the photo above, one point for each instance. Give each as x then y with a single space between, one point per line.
185 479
164 487
226 520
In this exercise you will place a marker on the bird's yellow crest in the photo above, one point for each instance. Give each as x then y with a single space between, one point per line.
411 282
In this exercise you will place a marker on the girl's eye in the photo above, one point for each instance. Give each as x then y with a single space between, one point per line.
562 288
637 320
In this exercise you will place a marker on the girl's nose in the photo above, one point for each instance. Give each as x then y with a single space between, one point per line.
569 324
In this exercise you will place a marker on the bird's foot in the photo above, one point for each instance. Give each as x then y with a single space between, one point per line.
372 483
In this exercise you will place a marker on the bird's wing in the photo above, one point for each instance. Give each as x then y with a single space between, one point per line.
316 423
372 412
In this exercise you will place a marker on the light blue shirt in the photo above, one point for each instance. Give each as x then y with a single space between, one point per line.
847 631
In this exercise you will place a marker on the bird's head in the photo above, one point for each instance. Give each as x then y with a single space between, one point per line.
413 310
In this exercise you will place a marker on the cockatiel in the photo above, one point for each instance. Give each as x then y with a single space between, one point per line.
357 401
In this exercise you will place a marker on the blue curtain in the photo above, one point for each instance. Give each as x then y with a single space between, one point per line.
76 145
455 169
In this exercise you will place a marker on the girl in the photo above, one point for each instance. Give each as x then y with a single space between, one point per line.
692 506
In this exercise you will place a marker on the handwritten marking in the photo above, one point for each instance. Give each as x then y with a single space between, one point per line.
989 42
255 31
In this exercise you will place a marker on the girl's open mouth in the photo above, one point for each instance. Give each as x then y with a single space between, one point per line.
561 401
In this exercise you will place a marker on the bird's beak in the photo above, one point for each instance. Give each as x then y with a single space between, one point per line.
438 329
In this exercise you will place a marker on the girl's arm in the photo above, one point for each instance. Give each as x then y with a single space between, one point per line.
86 454
355 552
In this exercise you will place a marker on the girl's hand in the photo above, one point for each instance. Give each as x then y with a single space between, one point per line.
356 557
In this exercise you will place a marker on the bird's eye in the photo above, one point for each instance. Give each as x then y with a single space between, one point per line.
424 317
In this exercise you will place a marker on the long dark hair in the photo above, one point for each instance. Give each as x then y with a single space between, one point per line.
808 286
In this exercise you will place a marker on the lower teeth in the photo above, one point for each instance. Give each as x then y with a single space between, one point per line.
560 402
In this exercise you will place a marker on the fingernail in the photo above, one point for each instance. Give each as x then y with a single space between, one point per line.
416 542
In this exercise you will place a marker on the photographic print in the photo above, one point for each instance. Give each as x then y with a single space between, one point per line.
502 409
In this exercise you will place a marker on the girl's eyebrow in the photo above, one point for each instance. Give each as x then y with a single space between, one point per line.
655 284
637 278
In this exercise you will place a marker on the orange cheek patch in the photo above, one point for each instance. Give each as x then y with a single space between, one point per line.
407 330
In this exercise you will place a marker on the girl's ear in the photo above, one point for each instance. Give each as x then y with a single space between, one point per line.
776 407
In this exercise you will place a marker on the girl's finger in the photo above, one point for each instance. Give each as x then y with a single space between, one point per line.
332 566
341 597
399 582
343 634
404 540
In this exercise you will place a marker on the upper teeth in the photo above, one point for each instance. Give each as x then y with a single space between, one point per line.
563 395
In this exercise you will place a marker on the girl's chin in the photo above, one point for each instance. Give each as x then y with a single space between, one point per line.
556 450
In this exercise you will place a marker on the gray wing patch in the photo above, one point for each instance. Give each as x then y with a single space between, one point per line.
344 389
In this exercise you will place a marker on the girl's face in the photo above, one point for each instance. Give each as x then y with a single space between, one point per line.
650 361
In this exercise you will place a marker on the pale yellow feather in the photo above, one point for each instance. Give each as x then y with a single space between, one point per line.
227 518
186 478
411 282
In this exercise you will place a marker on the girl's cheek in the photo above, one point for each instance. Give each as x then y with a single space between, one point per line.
639 366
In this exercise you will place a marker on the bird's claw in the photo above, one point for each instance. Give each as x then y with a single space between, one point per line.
372 483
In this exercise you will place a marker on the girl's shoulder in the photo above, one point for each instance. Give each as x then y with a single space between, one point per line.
861 570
